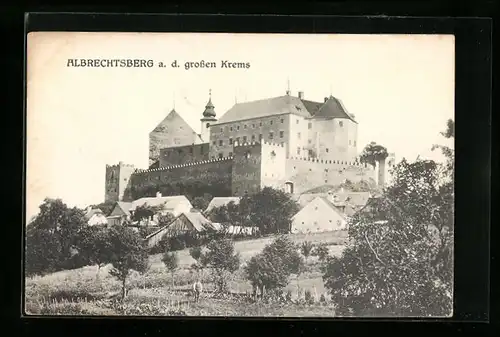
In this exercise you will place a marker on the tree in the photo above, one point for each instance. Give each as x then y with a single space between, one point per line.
165 219
201 202
402 265
271 269
146 212
373 153
128 252
51 238
306 248
223 260
322 252
271 210
106 207
95 246
171 262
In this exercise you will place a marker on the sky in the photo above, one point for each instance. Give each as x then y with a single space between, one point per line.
399 87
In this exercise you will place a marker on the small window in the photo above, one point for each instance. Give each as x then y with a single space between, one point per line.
253 138
282 134
310 153
302 222
244 126
221 142
282 121
124 179
230 141
326 150
309 125
260 124
244 139
253 126
298 135
201 150
309 141
341 124
271 122
271 135
208 124
298 150
214 142
246 192
282 143
191 150
221 130
221 155
260 136
354 143
315 208
238 127
230 128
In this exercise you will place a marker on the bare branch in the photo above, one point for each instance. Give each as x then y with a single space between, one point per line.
371 248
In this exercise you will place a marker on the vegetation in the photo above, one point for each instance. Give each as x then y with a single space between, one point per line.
401 265
127 253
106 207
201 202
146 212
306 248
373 153
95 246
171 262
322 252
223 260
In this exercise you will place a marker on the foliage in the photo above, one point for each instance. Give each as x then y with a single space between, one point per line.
306 248
51 237
223 260
142 212
322 252
201 202
373 153
94 245
171 262
127 253
270 269
401 266
359 186
269 209
195 252
145 231
165 219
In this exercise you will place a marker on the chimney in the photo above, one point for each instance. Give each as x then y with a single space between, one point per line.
301 94
326 99
158 194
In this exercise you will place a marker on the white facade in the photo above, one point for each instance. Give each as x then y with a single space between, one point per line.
319 215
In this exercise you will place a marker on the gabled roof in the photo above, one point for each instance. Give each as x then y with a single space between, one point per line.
332 108
353 201
265 107
124 206
221 201
170 202
90 213
325 201
199 222
164 124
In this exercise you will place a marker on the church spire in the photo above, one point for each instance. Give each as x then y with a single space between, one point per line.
209 108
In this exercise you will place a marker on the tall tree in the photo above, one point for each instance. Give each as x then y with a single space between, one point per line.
128 252
145 212
52 236
223 259
372 153
402 265
95 246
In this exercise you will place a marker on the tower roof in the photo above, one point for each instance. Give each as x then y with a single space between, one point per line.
209 108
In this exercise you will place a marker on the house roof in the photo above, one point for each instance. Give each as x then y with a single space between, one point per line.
91 212
170 202
263 108
221 201
163 125
352 201
199 222
325 201
124 206
332 108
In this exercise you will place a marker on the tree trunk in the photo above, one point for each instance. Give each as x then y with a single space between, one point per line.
173 284
123 288
97 274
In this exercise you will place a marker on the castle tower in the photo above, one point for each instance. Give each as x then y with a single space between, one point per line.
208 119
118 182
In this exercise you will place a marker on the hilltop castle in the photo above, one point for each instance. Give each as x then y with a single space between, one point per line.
285 142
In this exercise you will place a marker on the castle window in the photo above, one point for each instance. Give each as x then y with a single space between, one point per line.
310 153
214 142
221 155
238 127
221 130
298 135
260 124
326 181
230 128
260 136
271 135
341 124
253 138
230 154
253 126
208 124
271 122
221 142
244 126
238 140
309 126
326 170
191 150
298 150
297 122
244 139
230 141
326 150
282 121
124 179
282 134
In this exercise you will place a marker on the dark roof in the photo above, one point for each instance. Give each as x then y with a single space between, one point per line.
209 109
332 108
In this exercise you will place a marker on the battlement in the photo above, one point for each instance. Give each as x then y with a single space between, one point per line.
333 162
120 164
166 168
236 144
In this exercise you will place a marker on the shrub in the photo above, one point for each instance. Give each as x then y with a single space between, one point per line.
171 262
322 252
308 297
223 260
306 248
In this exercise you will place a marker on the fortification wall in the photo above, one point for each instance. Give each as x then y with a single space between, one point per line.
191 179
184 154
307 173
246 168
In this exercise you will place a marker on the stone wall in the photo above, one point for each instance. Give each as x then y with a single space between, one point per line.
118 182
192 179
184 154
246 169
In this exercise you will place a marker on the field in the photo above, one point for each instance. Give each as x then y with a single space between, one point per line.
89 291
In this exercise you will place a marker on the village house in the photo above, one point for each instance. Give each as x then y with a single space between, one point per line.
188 222
95 217
319 215
221 201
175 205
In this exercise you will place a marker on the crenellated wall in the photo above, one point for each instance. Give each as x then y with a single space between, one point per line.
192 179
184 154
306 173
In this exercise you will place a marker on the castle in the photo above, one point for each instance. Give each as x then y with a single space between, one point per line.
284 142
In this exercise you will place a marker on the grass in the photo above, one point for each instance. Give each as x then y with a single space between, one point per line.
87 291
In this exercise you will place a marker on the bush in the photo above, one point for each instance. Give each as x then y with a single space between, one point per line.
322 252
308 297
223 260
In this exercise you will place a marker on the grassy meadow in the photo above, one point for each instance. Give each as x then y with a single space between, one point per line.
92 291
